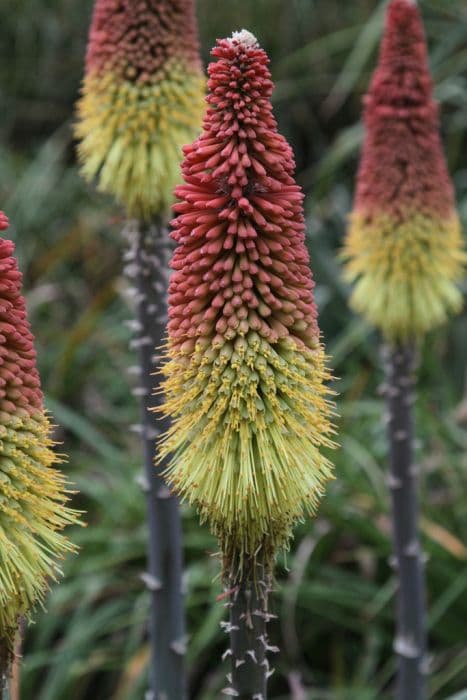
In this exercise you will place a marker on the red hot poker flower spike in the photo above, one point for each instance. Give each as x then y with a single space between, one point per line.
33 493
245 381
142 99
404 249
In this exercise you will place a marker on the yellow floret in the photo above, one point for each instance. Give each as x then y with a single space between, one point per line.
131 135
405 273
33 512
245 441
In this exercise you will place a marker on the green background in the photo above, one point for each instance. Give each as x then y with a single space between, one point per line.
335 590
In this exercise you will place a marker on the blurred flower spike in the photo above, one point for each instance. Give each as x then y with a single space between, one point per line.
33 494
245 380
142 100
404 249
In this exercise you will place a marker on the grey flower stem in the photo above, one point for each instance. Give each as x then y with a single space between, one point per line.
5 670
147 267
410 642
5 687
247 627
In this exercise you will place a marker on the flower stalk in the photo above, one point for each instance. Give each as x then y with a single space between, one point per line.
245 378
410 642
142 100
404 249
405 255
249 647
147 264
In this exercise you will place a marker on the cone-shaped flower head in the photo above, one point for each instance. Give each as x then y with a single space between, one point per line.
404 247
245 380
142 99
33 493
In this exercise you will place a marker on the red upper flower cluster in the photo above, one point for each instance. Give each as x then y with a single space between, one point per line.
19 379
403 166
241 263
134 39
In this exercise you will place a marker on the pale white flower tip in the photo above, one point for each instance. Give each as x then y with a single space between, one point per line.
246 38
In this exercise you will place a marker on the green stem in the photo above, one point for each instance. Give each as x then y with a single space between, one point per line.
410 643
147 267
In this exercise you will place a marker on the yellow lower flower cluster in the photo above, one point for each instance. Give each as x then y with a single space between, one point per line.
131 134
405 272
249 419
33 513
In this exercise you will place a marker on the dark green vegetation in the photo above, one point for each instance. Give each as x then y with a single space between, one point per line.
336 593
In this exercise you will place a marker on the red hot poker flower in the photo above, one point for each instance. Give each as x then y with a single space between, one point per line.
245 383
33 493
404 249
142 99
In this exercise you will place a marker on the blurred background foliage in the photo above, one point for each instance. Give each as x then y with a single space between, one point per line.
335 592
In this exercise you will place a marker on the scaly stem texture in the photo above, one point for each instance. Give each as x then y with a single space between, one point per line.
410 644
147 266
248 635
